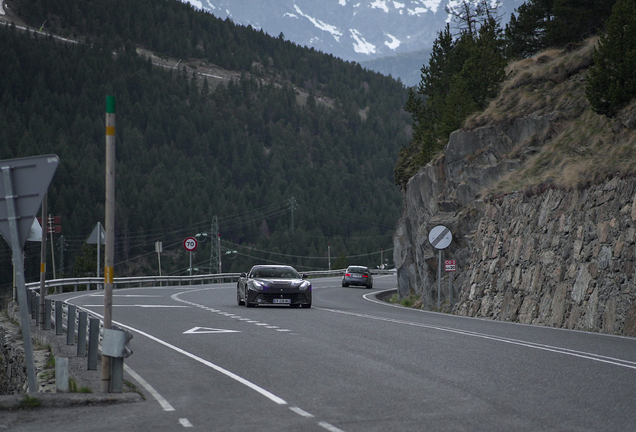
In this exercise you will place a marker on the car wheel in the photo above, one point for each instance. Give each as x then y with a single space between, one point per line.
345 285
247 303
370 286
306 305
294 305
238 298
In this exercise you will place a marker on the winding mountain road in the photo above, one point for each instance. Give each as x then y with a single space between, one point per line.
352 363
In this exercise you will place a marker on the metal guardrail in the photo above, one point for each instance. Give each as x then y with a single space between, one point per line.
86 284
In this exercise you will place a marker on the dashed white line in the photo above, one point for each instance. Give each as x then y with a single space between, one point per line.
329 427
185 422
301 412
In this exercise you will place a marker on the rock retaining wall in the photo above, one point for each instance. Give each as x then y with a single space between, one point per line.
560 258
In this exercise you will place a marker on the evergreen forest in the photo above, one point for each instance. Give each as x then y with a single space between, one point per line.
290 162
469 58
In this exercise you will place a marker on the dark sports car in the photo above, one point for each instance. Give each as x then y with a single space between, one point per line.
273 284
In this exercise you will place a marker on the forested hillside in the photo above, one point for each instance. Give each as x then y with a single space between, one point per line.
296 154
469 59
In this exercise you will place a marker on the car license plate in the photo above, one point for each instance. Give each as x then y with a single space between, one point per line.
282 300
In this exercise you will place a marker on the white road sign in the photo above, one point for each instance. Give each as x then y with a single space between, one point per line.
440 237
190 244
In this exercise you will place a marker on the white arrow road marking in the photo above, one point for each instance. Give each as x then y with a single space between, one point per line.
201 330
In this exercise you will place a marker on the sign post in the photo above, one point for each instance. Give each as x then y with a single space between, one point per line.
190 244
98 237
23 184
440 238
159 249
450 268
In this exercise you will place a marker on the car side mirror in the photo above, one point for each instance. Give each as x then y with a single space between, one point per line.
243 275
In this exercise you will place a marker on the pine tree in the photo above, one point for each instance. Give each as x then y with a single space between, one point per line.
611 82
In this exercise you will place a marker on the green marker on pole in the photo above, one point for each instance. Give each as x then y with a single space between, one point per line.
110 104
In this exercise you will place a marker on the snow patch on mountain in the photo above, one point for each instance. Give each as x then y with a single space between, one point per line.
361 45
380 4
393 43
320 24
197 4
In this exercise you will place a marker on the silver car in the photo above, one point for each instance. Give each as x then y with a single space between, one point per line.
357 275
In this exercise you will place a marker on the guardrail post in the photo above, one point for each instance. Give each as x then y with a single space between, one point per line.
58 318
70 325
32 303
61 374
48 306
93 343
37 312
116 374
81 334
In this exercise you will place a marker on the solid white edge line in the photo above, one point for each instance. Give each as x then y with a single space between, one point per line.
580 354
150 389
368 296
209 364
249 384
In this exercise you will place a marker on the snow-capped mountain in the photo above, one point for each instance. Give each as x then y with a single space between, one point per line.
358 30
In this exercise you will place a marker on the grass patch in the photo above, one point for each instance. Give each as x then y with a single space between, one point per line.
73 387
408 301
131 387
29 402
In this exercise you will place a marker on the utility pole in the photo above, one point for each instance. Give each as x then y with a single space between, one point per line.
215 245
62 245
109 254
292 206
43 264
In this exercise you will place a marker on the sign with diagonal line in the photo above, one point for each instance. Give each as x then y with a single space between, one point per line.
440 237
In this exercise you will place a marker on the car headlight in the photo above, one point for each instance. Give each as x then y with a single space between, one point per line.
304 286
259 286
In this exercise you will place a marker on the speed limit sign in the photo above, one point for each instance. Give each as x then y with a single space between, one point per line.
190 244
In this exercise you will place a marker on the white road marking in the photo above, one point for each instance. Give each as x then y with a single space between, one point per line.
141 306
301 412
206 330
329 427
150 389
262 391
558 350
166 405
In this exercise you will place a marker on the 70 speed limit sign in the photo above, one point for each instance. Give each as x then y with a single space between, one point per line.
190 244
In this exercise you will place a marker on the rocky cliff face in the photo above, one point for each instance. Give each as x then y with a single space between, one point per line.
447 192
563 258
546 254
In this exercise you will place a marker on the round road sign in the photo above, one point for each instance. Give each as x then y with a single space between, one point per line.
440 237
190 244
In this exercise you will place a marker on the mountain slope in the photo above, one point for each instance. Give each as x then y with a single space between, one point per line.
356 31
290 150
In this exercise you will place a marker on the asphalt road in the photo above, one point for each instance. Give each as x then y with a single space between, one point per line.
351 363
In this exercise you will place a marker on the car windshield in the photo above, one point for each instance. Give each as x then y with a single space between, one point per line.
275 272
357 270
